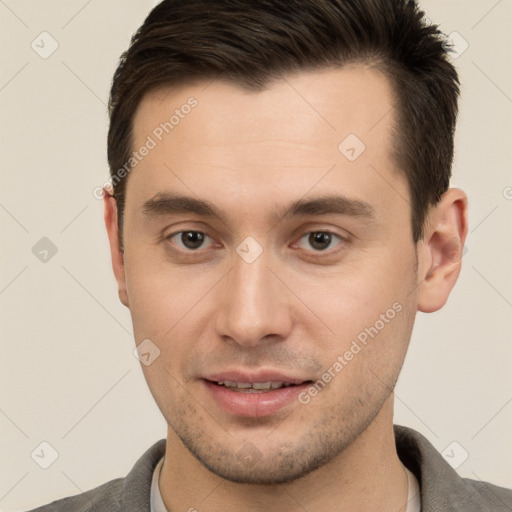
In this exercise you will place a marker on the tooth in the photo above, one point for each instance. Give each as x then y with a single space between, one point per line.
230 384
255 386
261 385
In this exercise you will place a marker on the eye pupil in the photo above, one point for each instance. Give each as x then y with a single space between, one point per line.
320 240
192 239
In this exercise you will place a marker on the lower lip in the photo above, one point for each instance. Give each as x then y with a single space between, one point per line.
253 404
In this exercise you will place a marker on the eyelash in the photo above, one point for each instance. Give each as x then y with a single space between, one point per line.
340 238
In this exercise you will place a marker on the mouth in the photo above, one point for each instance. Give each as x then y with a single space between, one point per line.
256 387
258 395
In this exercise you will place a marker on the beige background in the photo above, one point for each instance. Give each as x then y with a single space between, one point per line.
68 374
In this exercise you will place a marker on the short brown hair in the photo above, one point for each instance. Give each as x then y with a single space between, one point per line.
252 42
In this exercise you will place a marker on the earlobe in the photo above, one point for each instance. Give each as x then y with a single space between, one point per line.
442 252
117 256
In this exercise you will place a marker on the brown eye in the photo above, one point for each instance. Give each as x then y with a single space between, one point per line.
319 240
190 240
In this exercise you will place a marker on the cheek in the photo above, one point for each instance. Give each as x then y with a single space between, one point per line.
161 297
362 368
154 309
170 308
355 296
368 312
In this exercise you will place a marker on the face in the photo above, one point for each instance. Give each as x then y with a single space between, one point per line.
258 251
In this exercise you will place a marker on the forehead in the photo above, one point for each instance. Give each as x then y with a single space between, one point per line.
278 141
303 107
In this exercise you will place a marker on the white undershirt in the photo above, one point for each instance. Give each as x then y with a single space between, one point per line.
413 498
157 504
413 494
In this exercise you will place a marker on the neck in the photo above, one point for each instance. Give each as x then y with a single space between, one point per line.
367 475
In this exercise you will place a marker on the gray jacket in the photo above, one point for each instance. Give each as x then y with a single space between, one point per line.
442 489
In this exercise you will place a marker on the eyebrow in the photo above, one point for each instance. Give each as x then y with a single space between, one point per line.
165 204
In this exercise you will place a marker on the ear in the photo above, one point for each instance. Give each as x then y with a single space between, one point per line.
110 213
441 249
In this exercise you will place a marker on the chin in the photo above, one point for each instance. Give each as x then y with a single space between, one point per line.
267 470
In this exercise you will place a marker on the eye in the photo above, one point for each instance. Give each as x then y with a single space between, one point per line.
188 240
319 240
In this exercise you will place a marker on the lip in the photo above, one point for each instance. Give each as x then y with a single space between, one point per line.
254 405
249 377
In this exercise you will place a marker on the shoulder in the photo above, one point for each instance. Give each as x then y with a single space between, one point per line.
128 494
495 497
441 487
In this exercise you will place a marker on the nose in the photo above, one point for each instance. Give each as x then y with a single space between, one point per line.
253 305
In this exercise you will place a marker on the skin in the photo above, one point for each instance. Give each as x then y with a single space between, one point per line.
296 308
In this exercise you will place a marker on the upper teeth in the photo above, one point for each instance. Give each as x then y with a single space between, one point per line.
254 385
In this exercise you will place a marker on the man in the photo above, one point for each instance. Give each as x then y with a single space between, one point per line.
280 211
